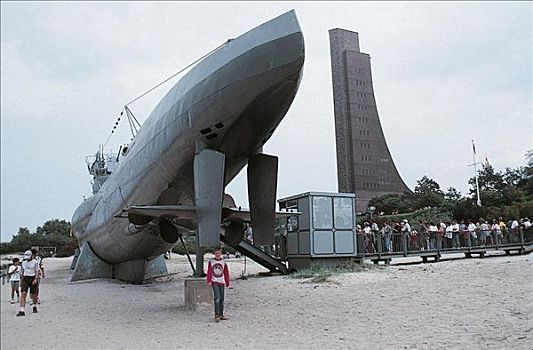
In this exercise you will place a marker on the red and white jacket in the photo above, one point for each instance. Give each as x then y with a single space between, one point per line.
217 272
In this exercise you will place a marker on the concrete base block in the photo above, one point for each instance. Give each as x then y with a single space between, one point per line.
135 271
75 259
197 293
130 271
91 266
156 267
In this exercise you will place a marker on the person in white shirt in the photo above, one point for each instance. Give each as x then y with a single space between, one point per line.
455 235
406 230
514 232
29 280
496 231
39 259
432 236
14 279
368 244
367 228
484 232
374 229
218 279
527 223
448 235
472 231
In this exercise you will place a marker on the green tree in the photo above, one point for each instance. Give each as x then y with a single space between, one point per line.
451 198
425 184
500 189
23 232
428 193
467 209
54 226
512 177
522 180
56 233
390 202
452 194
488 178
22 239
53 233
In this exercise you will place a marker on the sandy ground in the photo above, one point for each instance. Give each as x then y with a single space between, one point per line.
459 304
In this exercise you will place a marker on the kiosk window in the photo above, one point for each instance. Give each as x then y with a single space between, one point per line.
343 209
322 213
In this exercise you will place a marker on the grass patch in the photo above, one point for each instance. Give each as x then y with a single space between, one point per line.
358 267
319 274
315 273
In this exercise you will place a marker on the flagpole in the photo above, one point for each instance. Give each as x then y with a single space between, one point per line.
475 171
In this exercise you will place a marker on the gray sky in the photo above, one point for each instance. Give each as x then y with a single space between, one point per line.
444 73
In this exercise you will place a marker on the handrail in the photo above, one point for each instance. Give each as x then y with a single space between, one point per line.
398 243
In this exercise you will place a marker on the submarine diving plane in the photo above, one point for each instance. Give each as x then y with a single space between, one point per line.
210 124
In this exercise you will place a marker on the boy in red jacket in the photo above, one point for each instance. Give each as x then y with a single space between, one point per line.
218 278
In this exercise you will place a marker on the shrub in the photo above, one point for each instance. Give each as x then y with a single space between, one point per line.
428 215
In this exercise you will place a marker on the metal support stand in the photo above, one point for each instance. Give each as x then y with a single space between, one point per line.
199 272
262 184
188 255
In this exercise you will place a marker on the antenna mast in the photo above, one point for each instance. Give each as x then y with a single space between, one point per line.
475 172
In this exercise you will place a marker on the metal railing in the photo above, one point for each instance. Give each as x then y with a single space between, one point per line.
398 243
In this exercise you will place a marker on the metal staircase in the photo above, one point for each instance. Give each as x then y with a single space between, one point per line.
257 255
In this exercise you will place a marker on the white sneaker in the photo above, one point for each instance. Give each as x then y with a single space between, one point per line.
12 301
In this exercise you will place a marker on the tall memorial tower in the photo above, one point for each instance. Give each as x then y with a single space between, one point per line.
364 162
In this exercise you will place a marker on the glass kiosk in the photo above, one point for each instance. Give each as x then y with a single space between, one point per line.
323 231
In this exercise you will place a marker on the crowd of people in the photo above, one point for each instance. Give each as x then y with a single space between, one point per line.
423 235
26 276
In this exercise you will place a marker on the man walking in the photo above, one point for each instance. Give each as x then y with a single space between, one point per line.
29 278
218 279
39 259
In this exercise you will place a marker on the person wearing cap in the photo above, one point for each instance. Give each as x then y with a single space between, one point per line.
527 223
406 230
30 271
